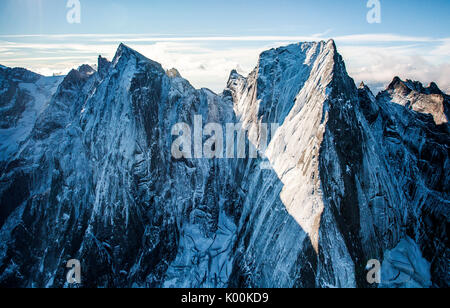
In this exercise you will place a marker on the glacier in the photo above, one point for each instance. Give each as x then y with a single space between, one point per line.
344 177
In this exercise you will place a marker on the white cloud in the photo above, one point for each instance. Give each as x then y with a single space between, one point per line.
207 61
377 65
365 38
203 66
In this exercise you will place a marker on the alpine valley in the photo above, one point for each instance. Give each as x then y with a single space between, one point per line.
86 173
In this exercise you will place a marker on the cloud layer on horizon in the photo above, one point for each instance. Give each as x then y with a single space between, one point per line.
207 61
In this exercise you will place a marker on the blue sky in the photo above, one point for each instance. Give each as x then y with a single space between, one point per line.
206 39
231 17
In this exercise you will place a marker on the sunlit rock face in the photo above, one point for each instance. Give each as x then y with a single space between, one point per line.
414 95
295 87
343 176
351 172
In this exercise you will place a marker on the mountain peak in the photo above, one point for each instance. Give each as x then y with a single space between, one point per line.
426 100
103 66
411 85
86 70
363 88
124 54
234 75
396 81
399 85
125 51
331 44
434 89
235 80
173 73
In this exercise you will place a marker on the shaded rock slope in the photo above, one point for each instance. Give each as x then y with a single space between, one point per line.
342 177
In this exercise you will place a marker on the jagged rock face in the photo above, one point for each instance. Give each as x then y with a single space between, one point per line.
343 174
302 94
414 95
418 152
23 96
14 100
349 176
102 185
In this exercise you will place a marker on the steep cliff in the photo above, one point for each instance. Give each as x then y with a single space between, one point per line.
340 176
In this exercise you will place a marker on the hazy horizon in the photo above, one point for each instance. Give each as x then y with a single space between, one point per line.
206 40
